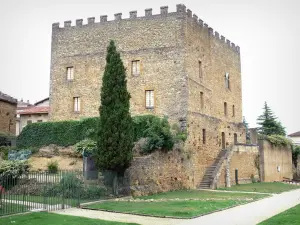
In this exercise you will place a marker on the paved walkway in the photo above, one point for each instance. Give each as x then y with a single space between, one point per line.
249 214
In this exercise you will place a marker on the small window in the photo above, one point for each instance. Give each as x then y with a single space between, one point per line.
204 136
227 81
233 111
136 67
149 99
70 73
235 139
29 122
202 100
40 121
225 108
200 71
76 103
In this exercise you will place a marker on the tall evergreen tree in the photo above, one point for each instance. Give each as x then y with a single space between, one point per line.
115 129
247 129
269 124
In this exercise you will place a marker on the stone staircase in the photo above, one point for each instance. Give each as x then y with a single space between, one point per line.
211 171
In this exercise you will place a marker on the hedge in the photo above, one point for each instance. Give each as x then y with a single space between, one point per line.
67 133
5 139
63 133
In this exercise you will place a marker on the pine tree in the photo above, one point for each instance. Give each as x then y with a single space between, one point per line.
269 124
247 130
115 129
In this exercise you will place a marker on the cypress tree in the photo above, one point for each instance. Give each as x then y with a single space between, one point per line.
269 124
115 128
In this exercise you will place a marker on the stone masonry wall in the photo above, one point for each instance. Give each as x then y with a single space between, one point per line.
242 158
8 117
154 40
271 158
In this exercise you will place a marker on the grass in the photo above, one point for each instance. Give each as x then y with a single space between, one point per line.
274 187
185 194
184 209
290 217
198 203
54 219
40 199
8 208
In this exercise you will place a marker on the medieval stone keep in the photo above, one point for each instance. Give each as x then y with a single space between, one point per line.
177 66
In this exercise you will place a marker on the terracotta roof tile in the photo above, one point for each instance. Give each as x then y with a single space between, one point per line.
297 134
7 98
34 110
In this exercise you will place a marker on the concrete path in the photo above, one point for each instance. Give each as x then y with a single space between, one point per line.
119 217
252 213
249 214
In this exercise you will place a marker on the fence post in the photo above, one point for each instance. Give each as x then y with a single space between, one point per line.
63 194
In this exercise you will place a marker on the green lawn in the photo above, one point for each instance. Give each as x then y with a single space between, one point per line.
290 217
186 194
54 219
40 199
274 187
8 208
186 205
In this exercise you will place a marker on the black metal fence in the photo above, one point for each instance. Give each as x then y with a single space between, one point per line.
36 191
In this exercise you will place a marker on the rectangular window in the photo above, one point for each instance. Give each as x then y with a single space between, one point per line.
204 136
225 108
233 111
200 71
202 100
149 99
76 102
70 73
40 121
136 67
29 122
227 81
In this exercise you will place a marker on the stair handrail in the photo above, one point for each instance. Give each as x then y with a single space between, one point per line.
216 173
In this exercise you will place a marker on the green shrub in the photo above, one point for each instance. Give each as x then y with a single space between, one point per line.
4 152
276 140
63 133
5 139
86 147
52 167
93 192
10 171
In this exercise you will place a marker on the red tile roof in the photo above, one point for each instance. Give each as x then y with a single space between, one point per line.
34 110
297 134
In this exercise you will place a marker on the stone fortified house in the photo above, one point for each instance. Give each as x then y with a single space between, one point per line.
177 66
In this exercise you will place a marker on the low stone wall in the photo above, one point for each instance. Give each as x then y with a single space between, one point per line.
159 172
243 159
275 162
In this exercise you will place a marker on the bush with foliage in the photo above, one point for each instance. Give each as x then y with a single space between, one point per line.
52 167
62 133
295 153
276 140
4 150
19 154
86 147
10 171
5 139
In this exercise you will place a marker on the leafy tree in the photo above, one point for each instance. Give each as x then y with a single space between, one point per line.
269 124
247 130
115 129
295 153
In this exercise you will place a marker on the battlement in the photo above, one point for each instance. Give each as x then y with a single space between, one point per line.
181 10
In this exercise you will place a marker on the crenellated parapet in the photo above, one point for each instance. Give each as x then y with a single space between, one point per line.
181 10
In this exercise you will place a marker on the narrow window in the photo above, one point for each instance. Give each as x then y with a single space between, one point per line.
40 121
200 71
149 99
204 136
233 111
29 122
235 139
70 73
202 100
227 81
136 67
76 102
225 108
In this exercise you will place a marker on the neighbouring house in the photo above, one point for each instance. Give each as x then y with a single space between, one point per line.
36 113
295 137
177 66
8 108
